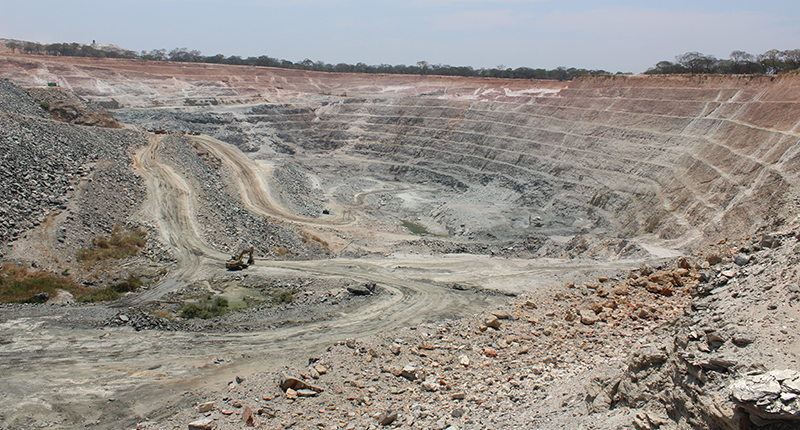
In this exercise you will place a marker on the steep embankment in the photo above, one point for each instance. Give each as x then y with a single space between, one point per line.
621 156
633 157
690 159
50 169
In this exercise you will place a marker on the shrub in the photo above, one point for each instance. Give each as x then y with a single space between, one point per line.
105 295
131 284
112 292
18 285
123 242
193 310
284 296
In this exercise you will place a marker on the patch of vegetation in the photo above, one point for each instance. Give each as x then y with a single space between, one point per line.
284 296
112 292
18 285
652 223
44 105
311 238
218 306
105 295
415 228
123 242
163 313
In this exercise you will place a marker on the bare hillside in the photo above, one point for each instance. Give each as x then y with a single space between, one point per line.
430 252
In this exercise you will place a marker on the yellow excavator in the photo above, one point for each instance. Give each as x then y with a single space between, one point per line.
237 260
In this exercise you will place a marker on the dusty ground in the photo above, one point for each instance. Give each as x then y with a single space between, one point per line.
443 197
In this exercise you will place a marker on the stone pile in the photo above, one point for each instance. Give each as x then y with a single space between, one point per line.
224 219
44 163
664 347
140 320
63 105
17 100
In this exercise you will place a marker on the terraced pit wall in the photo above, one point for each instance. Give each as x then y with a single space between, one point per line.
688 158
683 157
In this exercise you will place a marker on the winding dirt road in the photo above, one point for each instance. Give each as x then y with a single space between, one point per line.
116 377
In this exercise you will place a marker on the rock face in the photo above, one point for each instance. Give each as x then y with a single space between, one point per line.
771 396
677 156
43 164
64 105
721 365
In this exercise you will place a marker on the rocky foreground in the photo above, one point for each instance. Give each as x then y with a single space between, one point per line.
706 342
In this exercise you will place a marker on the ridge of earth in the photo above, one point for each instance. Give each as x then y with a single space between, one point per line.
427 190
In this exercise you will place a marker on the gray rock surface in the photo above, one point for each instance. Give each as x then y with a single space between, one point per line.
770 396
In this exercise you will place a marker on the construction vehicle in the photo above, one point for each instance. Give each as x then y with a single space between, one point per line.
237 260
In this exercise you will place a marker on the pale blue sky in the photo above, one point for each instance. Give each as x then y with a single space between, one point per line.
627 36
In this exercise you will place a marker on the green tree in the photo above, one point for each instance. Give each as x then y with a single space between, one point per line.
13 46
771 60
697 62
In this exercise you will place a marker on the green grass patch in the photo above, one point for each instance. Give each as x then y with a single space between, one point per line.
18 285
112 292
415 228
217 306
284 296
105 295
123 242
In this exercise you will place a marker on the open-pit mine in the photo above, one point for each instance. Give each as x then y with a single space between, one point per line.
429 252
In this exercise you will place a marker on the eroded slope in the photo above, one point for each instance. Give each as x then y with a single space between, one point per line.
683 157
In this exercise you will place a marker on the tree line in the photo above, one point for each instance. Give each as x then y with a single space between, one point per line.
194 56
771 62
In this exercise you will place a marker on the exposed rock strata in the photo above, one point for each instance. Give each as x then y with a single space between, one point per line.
687 158
679 157
636 357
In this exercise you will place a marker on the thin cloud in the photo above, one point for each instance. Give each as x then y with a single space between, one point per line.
480 20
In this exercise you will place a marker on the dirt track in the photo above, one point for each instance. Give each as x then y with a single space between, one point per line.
673 159
122 365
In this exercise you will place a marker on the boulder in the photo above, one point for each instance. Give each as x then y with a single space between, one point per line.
493 322
771 396
588 317
293 383
741 259
387 418
411 373
205 407
202 424
247 417
358 290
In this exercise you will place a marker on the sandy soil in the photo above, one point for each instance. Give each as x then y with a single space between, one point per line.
81 365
